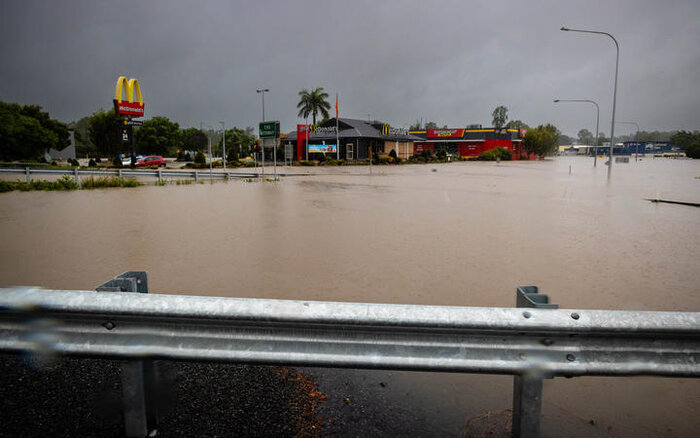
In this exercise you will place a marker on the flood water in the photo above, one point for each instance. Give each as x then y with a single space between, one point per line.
450 234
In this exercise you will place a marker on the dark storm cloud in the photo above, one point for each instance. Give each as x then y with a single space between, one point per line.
451 62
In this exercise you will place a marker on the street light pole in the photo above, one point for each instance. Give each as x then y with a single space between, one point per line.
211 158
617 63
597 120
223 151
636 138
262 91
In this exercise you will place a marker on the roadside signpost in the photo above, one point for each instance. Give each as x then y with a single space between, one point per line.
270 134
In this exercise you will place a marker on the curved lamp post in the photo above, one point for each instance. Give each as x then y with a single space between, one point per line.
597 120
617 62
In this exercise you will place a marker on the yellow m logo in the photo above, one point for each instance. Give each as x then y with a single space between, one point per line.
131 86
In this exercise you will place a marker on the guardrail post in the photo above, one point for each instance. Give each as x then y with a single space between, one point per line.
77 179
119 172
28 172
160 175
139 377
527 388
196 176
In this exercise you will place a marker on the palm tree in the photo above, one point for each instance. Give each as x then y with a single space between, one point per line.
313 102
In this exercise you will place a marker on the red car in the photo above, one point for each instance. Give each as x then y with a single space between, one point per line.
151 160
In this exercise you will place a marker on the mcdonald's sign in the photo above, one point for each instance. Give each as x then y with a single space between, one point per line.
128 107
388 130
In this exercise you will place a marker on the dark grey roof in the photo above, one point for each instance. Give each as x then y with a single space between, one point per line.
353 128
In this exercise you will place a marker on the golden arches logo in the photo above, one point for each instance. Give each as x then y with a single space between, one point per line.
131 86
128 107
386 129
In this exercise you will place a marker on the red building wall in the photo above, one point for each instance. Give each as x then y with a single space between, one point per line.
475 148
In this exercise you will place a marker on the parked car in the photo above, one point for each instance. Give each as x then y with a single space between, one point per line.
126 159
151 160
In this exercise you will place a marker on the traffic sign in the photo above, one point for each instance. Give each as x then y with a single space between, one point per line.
135 122
269 129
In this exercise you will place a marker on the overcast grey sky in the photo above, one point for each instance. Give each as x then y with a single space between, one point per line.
451 62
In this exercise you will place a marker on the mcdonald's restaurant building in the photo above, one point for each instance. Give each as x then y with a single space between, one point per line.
356 137
470 143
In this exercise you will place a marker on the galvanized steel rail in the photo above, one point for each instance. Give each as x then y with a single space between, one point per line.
127 172
546 342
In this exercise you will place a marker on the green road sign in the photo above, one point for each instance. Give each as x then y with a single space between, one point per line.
269 129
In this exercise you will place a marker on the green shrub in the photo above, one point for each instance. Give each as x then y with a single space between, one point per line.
307 163
6 186
693 150
496 154
92 163
332 162
199 158
117 162
392 154
101 182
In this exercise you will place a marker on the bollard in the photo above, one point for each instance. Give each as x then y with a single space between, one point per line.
527 388
28 172
139 377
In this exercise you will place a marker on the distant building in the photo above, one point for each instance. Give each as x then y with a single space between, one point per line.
356 137
65 153
470 143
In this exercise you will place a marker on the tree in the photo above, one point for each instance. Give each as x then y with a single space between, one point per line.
500 116
431 125
58 128
239 141
688 141
83 145
565 140
542 140
602 138
517 124
158 136
26 132
105 129
585 137
416 126
313 102
194 139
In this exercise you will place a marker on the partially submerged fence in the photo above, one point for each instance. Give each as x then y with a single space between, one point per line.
160 174
530 343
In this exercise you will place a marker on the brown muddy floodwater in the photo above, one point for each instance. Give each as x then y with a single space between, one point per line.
452 234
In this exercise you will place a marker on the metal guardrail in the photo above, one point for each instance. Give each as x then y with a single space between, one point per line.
530 343
158 173
388 336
